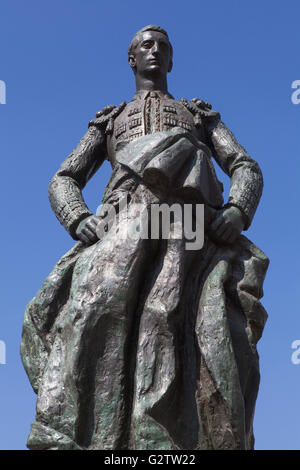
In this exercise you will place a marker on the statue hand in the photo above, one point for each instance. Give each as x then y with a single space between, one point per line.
86 230
227 225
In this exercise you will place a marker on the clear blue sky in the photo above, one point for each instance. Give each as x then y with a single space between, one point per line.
62 61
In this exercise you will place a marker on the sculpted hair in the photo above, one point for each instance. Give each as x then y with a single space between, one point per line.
137 37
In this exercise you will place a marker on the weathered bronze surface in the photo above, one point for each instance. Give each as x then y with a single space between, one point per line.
136 343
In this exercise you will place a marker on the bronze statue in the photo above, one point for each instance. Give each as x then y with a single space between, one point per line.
140 343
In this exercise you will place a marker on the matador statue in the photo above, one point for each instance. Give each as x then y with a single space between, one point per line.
136 342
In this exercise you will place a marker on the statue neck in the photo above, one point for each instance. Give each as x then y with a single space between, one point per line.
151 83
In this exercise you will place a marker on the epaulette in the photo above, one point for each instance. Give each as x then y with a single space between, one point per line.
105 118
200 110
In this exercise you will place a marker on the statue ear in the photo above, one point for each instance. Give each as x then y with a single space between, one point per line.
170 65
132 61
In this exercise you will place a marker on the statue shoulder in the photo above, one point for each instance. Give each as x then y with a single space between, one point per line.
106 116
201 110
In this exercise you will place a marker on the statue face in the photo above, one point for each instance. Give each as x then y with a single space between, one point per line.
152 54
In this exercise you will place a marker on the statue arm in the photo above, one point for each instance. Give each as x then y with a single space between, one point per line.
246 177
65 189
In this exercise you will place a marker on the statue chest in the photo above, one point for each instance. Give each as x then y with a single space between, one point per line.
153 114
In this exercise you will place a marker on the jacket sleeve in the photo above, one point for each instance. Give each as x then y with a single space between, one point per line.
65 187
246 177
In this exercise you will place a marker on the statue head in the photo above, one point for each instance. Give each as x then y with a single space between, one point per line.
150 52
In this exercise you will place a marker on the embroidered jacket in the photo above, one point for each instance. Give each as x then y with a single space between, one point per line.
147 113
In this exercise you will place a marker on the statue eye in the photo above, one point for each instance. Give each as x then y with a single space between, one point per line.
147 44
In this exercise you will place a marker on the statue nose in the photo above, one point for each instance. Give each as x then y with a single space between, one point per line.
155 48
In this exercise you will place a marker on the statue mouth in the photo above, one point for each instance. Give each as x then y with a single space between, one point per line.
154 61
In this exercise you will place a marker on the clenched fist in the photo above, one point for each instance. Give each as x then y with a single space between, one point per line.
227 225
86 230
